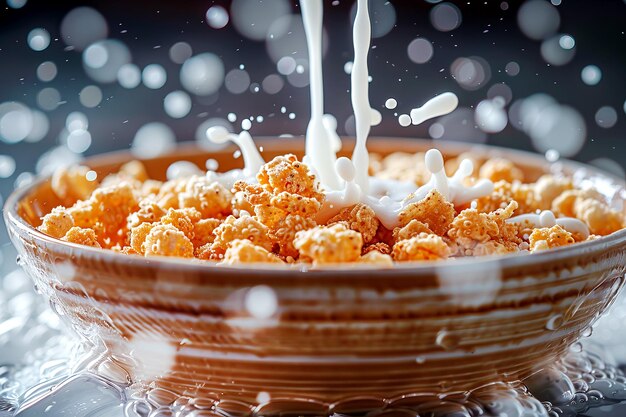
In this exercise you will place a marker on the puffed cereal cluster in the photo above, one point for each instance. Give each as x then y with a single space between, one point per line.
275 219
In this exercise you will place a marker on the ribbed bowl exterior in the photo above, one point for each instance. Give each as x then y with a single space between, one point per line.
337 335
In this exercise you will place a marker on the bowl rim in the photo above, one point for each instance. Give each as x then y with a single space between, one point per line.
418 268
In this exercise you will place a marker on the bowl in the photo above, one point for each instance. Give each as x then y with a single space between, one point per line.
318 339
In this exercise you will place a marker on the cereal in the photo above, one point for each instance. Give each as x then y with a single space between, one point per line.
549 238
242 228
423 247
329 244
287 174
359 218
244 251
57 222
411 229
211 199
433 211
166 240
377 258
81 236
71 184
283 216
499 169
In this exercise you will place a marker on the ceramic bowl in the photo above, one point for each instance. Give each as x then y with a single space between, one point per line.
342 339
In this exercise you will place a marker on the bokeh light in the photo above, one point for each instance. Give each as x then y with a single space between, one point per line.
83 26
253 18
420 50
47 71
7 166
553 51
129 76
606 117
471 73
153 139
538 19
591 75
491 116
38 39
180 52
459 125
90 96
202 74
16 122
103 60
48 98
177 104
154 76
237 81
445 17
272 84
217 17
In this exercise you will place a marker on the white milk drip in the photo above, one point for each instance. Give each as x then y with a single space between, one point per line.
547 219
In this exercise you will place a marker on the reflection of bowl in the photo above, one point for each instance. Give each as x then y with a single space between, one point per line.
351 335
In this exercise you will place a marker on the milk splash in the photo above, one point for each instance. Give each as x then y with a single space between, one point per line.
345 181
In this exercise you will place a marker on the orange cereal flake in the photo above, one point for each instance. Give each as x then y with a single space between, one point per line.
549 238
166 240
71 184
244 251
500 169
359 218
57 222
433 211
423 247
329 244
82 236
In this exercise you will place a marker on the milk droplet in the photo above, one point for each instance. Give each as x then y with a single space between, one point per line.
404 120
447 340
261 302
391 103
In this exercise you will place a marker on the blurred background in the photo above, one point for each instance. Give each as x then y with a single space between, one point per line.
79 78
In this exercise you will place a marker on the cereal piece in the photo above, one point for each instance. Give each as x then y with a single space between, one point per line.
377 258
211 199
411 229
82 236
84 214
287 174
167 197
246 227
598 216
57 222
284 234
182 219
134 169
423 247
166 240
564 204
549 237
205 253
500 169
505 192
70 184
243 251
480 227
112 206
329 244
203 231
359 218
404 166
548 187
240 204
378 247
149 211
433 210
295 204
150 188
138 236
